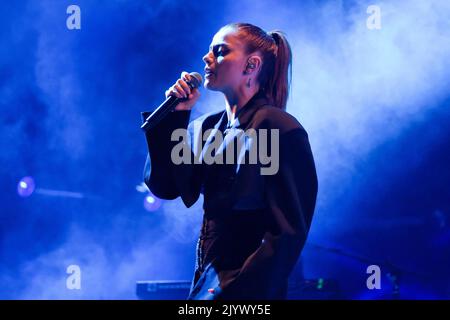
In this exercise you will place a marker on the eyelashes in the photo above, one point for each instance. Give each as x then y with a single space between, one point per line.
220 51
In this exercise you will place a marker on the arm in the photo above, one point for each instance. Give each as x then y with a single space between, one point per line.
165 179
158 170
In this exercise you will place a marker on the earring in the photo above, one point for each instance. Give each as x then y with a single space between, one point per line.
248 82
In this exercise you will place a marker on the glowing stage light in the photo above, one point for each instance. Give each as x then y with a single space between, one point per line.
151 202
320 283
26 187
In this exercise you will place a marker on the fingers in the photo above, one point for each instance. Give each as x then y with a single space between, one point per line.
180 89
177 91
186 76
184 87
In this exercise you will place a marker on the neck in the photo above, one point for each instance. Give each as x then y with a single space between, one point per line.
234 101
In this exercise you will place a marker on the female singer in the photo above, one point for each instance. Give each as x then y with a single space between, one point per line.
255 223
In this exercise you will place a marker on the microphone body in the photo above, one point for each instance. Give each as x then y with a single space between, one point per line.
169 104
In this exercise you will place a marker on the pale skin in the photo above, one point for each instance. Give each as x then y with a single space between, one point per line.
228 69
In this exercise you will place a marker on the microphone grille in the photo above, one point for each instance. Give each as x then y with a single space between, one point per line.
197 79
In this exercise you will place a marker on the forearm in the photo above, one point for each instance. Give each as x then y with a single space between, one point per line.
159 168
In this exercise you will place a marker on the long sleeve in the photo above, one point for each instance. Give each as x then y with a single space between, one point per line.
159 169
165 179
291 195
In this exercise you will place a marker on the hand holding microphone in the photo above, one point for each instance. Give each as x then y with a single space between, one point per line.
181 96
182 90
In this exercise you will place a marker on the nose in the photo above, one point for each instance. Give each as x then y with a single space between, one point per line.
207 58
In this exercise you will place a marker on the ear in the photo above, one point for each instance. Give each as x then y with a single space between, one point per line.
253 64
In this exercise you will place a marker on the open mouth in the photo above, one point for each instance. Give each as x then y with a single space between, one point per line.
208 72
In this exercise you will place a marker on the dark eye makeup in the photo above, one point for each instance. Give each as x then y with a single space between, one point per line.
220 50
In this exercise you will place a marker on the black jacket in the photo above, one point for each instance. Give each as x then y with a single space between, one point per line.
255 225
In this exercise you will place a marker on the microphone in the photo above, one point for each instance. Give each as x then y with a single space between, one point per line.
170 103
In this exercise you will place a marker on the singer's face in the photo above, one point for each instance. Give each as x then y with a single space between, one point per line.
225 62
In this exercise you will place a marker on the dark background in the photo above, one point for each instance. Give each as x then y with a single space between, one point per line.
374 102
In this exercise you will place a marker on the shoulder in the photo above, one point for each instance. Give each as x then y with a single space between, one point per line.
275 118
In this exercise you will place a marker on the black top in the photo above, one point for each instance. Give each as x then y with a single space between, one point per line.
254 225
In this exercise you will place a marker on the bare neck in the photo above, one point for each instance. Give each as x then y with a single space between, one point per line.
234 101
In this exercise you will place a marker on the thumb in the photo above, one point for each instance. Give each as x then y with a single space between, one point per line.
195 93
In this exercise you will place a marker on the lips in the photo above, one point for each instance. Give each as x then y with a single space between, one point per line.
208 72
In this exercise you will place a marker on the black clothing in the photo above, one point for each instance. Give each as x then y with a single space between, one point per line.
254 225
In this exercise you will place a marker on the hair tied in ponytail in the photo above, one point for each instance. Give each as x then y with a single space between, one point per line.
276 39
